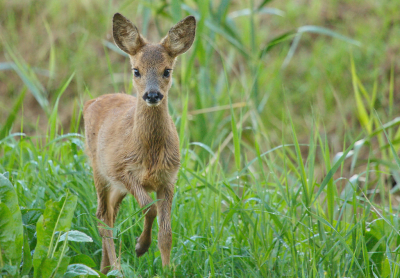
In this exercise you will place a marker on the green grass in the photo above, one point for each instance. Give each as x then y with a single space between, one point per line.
287 118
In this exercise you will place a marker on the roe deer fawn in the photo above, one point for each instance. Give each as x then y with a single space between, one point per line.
132 143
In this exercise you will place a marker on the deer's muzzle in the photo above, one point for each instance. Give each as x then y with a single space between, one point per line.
152 98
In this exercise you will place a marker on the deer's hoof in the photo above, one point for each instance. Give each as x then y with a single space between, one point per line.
141 248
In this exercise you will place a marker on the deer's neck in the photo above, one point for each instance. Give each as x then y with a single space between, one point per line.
151 124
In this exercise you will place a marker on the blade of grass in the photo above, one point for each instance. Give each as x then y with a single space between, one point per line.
6 128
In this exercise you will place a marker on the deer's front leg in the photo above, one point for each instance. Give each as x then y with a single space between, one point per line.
143 198
165 196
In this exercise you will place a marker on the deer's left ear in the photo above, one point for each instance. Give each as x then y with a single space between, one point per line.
180 37
126 35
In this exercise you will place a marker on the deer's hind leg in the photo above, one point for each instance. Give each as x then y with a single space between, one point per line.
109 200
164 206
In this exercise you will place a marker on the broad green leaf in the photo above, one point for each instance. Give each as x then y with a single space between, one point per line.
115 273
385 269
11 232
76 236
7 241
57 217
8 270
74 270
55 267
83 259
27 263
376 249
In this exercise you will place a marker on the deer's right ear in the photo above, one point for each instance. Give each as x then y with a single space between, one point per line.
180 37
126 35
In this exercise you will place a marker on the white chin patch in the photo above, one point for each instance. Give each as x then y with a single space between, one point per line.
153 104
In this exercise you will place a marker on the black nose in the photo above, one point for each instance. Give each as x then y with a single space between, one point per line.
152 96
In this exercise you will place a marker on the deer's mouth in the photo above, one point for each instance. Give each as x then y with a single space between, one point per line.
151 104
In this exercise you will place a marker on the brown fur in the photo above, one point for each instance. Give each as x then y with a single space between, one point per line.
133 147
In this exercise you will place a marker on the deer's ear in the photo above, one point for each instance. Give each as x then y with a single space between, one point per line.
126 35
180 37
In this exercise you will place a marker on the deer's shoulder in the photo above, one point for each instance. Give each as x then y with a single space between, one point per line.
107 102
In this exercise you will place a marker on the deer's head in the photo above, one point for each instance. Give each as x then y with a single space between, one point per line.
152 64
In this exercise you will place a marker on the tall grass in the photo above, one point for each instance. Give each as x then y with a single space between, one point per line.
274 182
270 218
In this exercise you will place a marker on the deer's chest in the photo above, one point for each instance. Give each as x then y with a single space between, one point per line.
153 178
148 164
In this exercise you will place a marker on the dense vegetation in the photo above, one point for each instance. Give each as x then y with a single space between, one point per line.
287 117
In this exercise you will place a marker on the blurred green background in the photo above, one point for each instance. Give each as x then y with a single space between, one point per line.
287 115
50 40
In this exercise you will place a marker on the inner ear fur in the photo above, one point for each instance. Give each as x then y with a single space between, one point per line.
180 37
126 35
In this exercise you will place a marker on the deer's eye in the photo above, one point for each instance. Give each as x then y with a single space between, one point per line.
167 73
136 73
